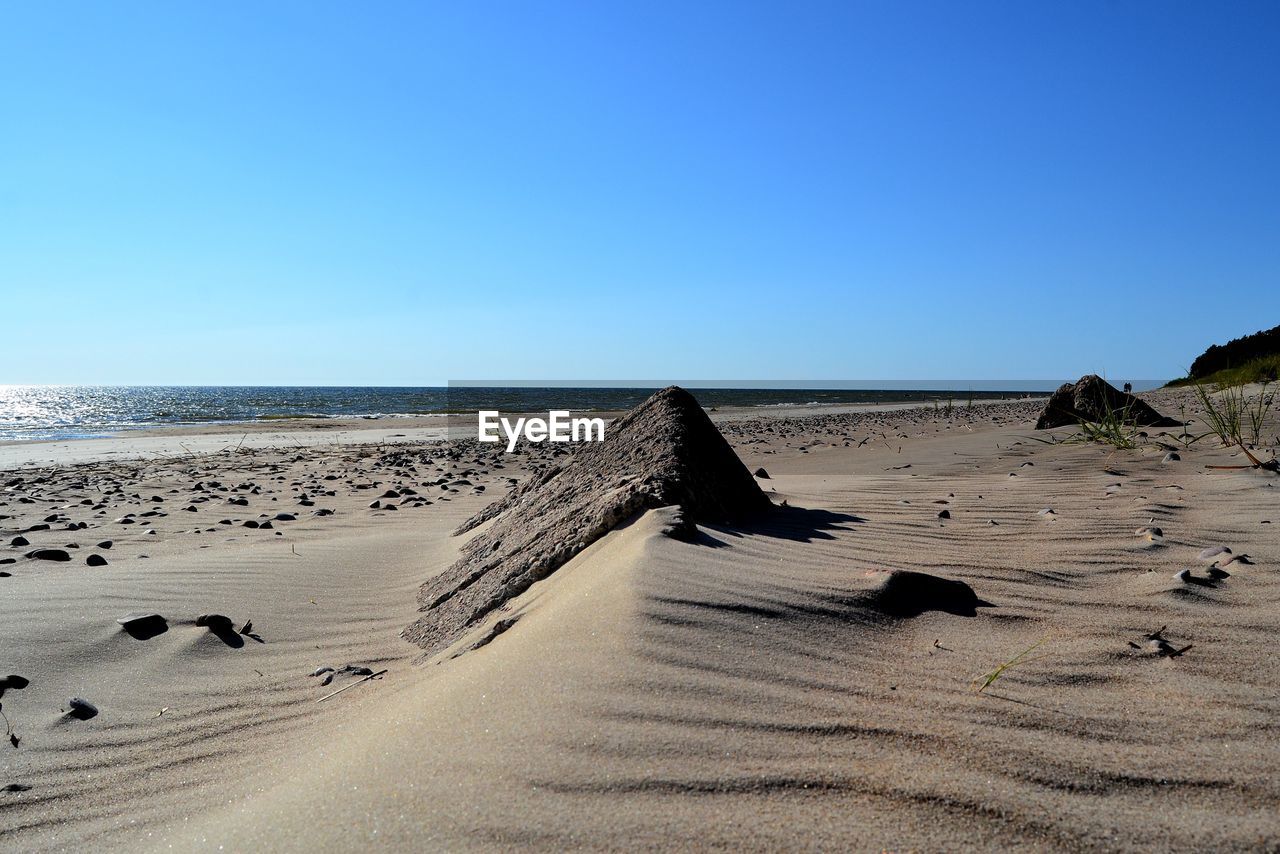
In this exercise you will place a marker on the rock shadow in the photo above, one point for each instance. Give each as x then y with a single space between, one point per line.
797 524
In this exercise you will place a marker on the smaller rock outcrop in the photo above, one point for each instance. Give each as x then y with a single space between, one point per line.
1091 398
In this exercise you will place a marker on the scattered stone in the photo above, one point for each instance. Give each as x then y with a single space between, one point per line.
95 560
81 708
1156 644
346 670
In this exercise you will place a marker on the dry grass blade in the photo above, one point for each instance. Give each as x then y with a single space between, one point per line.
1021 658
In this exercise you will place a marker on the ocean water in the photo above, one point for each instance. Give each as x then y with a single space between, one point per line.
72 412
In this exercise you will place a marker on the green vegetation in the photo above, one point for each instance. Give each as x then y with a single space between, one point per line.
985 681
1239 351
1256 413
1223 408
1235 417
1116 428
1258 370
1249 359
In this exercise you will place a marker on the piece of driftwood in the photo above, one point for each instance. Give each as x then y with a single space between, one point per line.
1254 463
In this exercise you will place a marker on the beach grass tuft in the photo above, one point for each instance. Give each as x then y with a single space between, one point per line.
1116 427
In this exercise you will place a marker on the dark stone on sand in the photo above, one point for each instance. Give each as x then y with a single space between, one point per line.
285 517
221 627
143 625
215 622
944 514
250 523
95 560
1090 398
81 709
909 594
762 474
14 681
664 452
19 541
105 544
59 555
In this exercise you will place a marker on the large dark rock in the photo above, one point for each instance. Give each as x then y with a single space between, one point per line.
904 593
50 554
664 452
1090 398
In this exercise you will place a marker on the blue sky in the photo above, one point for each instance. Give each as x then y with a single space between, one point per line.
401 194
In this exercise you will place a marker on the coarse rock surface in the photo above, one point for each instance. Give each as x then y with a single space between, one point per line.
664 452
1090 398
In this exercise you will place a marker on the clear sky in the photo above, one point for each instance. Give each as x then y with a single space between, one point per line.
405 193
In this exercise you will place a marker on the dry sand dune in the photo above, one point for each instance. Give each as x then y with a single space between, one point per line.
768 683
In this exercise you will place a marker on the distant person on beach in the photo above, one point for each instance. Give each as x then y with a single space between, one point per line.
1128 388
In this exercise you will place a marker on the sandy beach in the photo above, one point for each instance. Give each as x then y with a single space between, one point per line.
450 427
757 685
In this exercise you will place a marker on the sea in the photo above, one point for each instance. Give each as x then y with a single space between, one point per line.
44 412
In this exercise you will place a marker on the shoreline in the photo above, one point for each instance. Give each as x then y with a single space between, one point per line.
213 437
